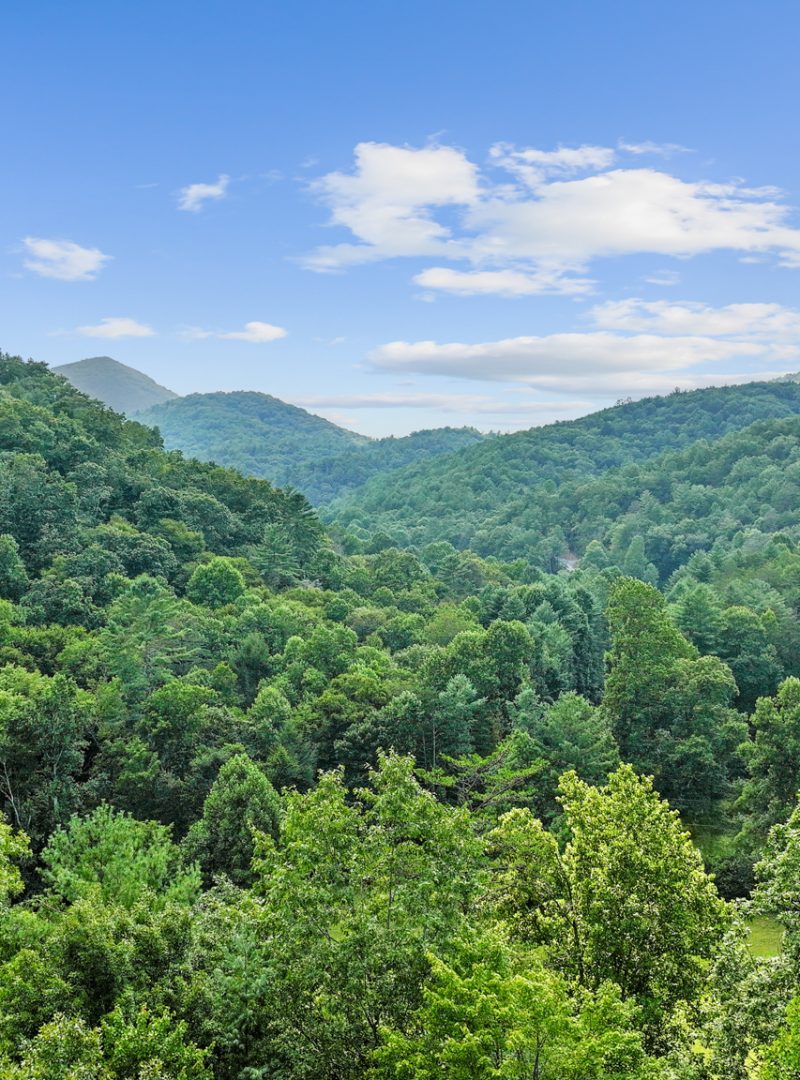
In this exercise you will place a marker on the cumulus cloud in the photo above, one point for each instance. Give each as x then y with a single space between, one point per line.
116 327
63 259
388 201
194 196
543 216
258 333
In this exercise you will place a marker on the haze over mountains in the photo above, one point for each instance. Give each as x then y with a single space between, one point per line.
537 494
122 388
260 434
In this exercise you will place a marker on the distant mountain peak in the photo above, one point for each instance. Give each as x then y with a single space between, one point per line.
123 388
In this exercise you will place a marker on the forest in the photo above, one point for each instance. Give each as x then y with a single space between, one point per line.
494 777
493 497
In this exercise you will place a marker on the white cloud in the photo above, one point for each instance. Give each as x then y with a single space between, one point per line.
258 333
63 259
550 360
641 384
531 215
194 196
767 322
116 327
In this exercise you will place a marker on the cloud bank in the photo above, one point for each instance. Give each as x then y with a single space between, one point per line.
638 347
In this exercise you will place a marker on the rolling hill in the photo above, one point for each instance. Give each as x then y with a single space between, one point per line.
122 388
494 497
266 437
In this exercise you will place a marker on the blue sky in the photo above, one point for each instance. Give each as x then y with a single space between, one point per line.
403 215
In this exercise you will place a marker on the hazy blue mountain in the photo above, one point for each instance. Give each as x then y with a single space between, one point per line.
122 388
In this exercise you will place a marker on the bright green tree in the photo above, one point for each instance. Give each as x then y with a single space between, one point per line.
773 758
354 896
496 1013
644 647
241 801
115 859
215 583
626 900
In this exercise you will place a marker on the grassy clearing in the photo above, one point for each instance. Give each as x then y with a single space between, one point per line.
765 937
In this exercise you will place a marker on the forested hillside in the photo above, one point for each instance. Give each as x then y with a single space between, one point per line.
279 803
487 497
266 437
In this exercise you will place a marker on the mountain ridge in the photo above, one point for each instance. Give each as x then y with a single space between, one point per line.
264 436
485 497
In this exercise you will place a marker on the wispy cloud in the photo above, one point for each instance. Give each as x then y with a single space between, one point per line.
664 278
652 149
535 220
116 327
500 282
449 403
194 196
770 323
63 259
258 333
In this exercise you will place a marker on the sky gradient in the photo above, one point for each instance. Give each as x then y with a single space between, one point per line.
403 215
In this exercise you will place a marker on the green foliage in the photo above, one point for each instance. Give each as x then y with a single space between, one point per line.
569 735
498 1014
148 1046
344 894
773 757
781 1059
450 882
13 848
538 493
670 709
116 859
